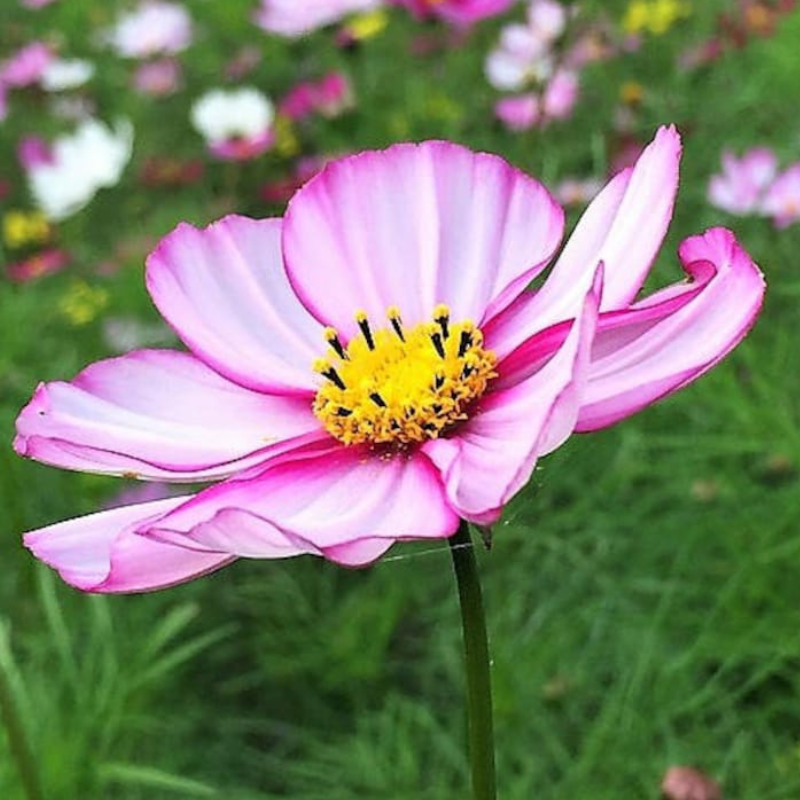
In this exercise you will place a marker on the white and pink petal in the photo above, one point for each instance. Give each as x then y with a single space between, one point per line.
666 341
347 502
623 227
493 455
414 226
102 552
159 414
225 292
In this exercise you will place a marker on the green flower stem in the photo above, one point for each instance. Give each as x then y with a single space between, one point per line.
476 658
17 740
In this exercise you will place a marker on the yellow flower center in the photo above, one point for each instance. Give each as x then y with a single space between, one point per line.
402 386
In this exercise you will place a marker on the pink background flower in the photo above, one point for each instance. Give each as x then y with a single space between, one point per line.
292 18
155 27
158 78
782 199
518 113
740 187
26 66
458 12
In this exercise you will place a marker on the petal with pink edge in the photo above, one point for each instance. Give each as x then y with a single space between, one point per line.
623 227
102 553
342 497
661 344
159 414
360 553
528 357
494 454
413 226
225 292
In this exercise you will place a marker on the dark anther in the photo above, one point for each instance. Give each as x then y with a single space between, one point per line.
333 376
378 400
436 338
367 333
444 325
398 328
467 371
438 382
336 344
343 412
465 343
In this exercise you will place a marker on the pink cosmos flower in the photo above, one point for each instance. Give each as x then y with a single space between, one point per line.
548 18
237 124
456 12
782 199
334 94
740 187
329 96
44 263
688 783
521 57
560 95
525 52
299 102
371 367
154 28
26 66
158 78
293 18
520 112
557 99
33 151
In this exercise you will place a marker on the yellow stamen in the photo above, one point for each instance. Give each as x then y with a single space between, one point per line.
402 386
332 338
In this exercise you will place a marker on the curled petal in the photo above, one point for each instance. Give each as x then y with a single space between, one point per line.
623 227
224 290
668 340
359 553
158 414
494 454
102 553
325 501
414 226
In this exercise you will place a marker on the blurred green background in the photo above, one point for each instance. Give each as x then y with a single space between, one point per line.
643 593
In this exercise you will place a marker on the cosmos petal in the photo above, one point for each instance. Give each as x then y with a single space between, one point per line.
623 228
413 226
159 414
660 345
494 454
340 497
224 290
102 553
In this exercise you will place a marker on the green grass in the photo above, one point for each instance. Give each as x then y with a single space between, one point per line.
643 592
